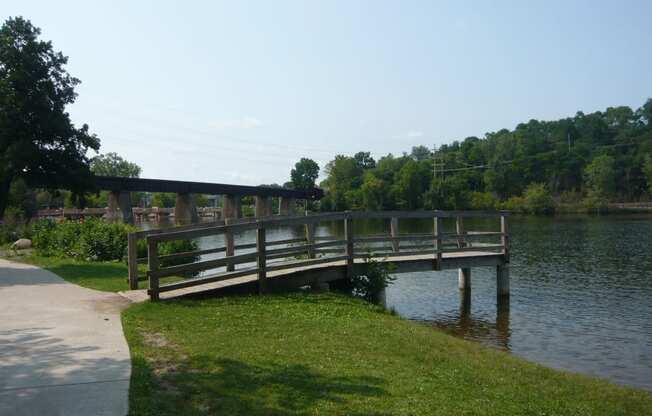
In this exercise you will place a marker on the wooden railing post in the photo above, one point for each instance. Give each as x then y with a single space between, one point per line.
262 259
505 237
348 236
229 245
152 261
393 230
132 260
438 245
310 240
459 230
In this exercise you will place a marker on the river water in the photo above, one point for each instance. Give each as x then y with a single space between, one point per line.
581 293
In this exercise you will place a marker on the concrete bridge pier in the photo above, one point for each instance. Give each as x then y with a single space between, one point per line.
231 207
185 211
119 207
263 206
287 206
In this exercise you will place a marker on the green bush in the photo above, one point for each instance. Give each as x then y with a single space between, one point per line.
514 204
376 278
91 240
483 201
172 247
595 203
538 200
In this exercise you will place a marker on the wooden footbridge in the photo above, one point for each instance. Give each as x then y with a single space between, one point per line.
279 264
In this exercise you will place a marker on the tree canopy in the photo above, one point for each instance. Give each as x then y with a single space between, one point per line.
112 164
304 174
38 142
605 155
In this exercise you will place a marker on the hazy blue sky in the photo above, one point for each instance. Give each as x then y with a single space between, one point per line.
237 92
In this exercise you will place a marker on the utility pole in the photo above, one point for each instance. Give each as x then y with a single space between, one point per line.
568 137
437 164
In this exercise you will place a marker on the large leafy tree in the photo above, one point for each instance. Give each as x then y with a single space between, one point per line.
600 176
304 174
38 141
112 164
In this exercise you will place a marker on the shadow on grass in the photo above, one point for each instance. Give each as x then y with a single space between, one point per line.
226 386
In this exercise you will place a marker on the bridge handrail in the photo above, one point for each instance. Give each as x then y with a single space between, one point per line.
317 250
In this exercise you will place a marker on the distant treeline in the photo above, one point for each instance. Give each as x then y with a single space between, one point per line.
586 160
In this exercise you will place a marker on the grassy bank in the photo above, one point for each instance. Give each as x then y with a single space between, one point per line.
330 354
109 276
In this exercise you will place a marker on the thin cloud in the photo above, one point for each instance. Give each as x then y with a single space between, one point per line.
244 123
409 135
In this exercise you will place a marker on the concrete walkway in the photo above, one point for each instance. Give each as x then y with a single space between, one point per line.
62 350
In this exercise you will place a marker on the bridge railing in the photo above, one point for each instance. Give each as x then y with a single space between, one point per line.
268 256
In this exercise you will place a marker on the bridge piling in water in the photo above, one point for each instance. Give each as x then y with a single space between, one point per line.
185 210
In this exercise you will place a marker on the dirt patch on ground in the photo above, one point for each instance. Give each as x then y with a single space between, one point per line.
111 304
156 340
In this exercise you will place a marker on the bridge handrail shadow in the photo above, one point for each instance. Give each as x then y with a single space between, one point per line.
270 256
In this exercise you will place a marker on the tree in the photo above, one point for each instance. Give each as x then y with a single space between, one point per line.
364 160
420 153
600 176
112 164
344 175
411 182
374 192
647 169
304 174
38 141
538 200
164 199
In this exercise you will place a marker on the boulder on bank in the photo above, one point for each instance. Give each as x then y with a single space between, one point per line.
22 244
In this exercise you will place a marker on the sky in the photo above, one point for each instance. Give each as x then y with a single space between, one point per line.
238 91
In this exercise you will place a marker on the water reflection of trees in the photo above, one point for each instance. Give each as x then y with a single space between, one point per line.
462 324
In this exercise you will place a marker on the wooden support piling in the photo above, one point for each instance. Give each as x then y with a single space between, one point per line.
153 265
348 237
229 245
393 229
132 260
438 242
502 280
261 259
464 278
310 239
459 230
505 237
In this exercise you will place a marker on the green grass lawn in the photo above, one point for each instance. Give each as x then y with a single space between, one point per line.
305 354
106 276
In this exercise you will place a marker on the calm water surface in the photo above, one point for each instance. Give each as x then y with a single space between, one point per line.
581 293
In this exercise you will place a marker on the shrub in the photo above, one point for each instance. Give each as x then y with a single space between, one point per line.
595 203
538 200
483 201
377 277
92 240
514 204
171 247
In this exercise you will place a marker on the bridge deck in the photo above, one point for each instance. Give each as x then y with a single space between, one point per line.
324 272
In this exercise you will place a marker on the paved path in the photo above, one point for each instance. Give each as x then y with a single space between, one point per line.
62 350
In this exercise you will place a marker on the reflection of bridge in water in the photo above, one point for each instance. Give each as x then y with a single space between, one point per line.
269 265
462 324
